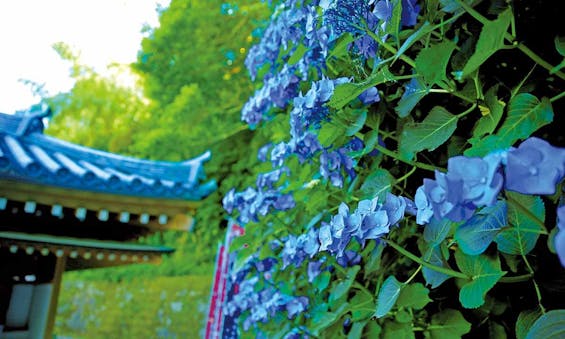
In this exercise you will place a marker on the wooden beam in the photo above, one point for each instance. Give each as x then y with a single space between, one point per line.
60 264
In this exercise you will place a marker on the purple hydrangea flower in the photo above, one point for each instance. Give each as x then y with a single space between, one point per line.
349 258
535 167
410 11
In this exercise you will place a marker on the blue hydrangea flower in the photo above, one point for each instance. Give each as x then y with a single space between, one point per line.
474 180
560 236
349 258
370 96
263 151
410 11
296 305
314 269
535 167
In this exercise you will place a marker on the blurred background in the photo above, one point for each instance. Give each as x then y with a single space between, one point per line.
163 80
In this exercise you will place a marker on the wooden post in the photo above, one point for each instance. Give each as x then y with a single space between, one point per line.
57 277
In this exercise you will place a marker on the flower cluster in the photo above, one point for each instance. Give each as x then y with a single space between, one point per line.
468 184
257 300
535 167
253 202
371 220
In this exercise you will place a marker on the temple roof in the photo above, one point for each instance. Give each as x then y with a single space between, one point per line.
28 155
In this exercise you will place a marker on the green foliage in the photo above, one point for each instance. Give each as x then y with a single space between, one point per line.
549 325
139 308
525 228
389 292
448 323
483 273
431 133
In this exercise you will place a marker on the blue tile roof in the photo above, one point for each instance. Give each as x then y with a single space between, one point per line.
28 155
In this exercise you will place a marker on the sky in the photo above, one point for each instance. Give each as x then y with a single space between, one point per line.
104 31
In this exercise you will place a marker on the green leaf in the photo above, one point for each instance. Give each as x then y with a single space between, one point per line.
484 273
322 281
475 235
549 325
414 296
437 230
414 92
388 294
490 40
378 183
341 288
526 114
496 331
357 124
521 238
328 133
356 331
493 113
431 133
345 93
394 23
417 35
370 140
560 45
432 61
297 55
434 256
322 320
396 330
448 323
525 321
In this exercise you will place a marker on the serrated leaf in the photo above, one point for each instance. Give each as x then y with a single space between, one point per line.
417 35
484 273
431 133
414 296
388 294
342 287
490 40
378 183
436 230
345 93
322 321
549 325
475 235
487 124
370 140
433 256
432 61
525 321
521 238
526 114
414 92
448 323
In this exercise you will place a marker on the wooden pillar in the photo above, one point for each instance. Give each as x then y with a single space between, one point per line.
57 278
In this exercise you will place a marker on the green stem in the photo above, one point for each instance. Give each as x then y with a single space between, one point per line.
530 215
536 287
523 48
469 110
516 279
413 275
557 97
419 260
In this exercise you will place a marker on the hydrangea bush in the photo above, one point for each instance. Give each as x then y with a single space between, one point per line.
412 185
